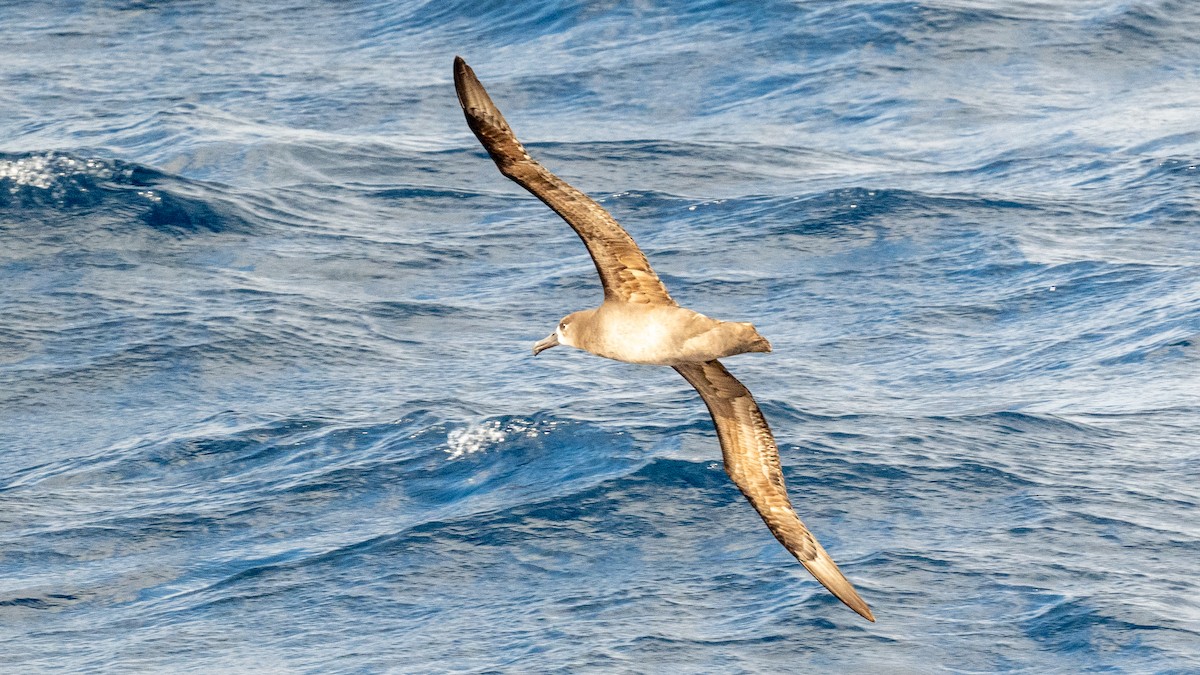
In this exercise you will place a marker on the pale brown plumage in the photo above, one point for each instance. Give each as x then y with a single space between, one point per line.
624 271
752 461
749 450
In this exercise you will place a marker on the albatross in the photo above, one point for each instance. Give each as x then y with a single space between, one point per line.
639 322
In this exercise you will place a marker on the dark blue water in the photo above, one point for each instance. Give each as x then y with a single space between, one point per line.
267 402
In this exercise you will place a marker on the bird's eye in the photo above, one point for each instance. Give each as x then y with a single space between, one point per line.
562 325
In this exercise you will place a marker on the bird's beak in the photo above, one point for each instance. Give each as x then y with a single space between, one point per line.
544 344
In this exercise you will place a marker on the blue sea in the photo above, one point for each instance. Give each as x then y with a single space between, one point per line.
267 401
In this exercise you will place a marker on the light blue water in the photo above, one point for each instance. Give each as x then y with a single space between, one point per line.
267 403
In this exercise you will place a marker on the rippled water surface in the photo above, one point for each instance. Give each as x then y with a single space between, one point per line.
267 402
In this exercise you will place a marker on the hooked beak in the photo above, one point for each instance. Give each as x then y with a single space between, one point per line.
544 344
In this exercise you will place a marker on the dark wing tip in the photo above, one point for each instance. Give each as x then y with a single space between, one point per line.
464 80
480 112
826 571
472 96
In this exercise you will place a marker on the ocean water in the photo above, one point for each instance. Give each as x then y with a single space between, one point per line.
267 402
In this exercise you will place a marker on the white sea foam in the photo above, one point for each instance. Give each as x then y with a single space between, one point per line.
481 436
43 171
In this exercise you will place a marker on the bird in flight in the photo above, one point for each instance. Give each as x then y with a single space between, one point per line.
639 322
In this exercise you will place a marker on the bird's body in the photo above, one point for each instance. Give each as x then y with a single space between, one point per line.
639 322
659 335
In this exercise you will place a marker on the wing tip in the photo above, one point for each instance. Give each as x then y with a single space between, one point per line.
826 571
464 80
477 105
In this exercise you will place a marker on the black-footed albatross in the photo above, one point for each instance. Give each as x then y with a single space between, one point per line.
638 322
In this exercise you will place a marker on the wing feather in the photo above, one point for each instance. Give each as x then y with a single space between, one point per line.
752 461
624 271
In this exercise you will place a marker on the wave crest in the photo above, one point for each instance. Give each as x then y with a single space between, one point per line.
54 181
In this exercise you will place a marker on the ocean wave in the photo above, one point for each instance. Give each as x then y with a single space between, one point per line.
53 183
266 394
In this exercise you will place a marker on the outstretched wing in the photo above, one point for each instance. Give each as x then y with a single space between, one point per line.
752 461
624 270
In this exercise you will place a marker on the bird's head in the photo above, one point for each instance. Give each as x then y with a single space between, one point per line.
564 334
